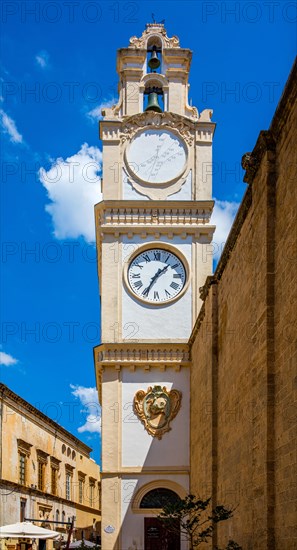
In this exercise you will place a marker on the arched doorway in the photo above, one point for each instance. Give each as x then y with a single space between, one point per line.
155 535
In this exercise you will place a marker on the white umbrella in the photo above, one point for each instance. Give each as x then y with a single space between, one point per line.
78 543
28 530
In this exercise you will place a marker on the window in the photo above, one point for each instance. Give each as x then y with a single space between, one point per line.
55 465
68 486
40 475
53 480
22 509
157 498
92 493
68 480
22 468
41 469
24 450
57 515
80 490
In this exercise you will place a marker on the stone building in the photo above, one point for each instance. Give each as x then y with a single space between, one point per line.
243 350
152 228
195 372
46 473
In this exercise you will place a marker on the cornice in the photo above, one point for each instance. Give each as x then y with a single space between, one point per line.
146 470
204 291
251 161
21 406
286 103
55 462
144 355
42 456
23 490
234 232
24 447
139 356
202 234
193 205
154 217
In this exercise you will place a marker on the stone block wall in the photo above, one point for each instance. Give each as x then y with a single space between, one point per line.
243 346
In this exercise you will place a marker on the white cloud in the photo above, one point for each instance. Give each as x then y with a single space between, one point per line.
74 186
95 114
7 360
223 215
42 58
89 399
9 127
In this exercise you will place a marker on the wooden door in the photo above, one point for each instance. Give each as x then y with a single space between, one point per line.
156 538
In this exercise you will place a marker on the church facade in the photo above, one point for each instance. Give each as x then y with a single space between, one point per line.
162 369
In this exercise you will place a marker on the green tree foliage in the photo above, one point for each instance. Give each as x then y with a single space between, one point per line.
195 519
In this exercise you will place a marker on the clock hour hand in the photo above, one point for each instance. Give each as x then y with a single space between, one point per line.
154 278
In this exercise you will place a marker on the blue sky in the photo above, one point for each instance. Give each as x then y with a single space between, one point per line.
58 66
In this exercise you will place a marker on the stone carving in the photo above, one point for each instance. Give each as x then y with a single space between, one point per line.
206 115
156 408
188 215
154 28
192 111
151 118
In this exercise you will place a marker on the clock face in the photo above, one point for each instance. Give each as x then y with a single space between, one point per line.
156 156
156 275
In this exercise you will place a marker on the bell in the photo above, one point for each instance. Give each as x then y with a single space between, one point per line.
154 61
153 104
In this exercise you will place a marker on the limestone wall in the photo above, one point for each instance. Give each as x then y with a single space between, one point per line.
243 442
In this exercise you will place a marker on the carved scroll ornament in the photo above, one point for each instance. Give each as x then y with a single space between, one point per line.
156 408
152 29
157 120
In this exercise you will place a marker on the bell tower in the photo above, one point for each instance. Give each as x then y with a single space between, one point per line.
153 234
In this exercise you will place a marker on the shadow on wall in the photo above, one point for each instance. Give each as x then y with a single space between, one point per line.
168 456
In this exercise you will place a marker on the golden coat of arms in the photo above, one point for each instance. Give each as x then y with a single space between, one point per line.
156 408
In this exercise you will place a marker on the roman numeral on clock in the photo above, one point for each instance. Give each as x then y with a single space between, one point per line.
177 276
157 256
174 285
174 266
168 295
156 295
135 275
146 257
138 284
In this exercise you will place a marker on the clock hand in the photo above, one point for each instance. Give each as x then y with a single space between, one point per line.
156 158
146 290
154 278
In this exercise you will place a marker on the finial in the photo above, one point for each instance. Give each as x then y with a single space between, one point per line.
156 22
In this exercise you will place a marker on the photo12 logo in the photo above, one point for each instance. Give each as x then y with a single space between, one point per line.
69 12
249 12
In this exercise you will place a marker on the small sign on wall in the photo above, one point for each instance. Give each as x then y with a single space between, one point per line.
109 529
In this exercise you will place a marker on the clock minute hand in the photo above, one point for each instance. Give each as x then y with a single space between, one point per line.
146 290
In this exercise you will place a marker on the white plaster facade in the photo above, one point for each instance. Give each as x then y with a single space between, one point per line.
144 345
